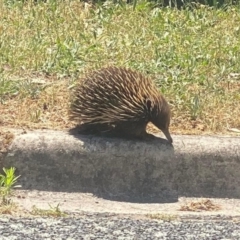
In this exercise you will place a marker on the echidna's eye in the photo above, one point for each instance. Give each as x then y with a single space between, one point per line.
149 105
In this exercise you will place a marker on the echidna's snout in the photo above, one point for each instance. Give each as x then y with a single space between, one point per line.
167 135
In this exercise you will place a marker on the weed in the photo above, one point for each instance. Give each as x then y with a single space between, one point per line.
7 89
7 208
7 183
52 212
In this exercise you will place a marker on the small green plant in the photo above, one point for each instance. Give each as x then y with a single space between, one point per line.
52 212
7 182
195 107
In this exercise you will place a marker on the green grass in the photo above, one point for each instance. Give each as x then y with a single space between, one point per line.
193 55
8 181
52 212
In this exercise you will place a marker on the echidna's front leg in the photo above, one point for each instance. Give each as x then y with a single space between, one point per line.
95 129
132 130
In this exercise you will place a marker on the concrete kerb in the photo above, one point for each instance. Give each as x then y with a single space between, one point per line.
196 166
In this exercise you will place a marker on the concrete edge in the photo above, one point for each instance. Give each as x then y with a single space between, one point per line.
206 166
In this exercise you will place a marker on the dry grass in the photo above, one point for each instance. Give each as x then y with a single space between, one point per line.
199 206
6 138
8 209
47 110
193 56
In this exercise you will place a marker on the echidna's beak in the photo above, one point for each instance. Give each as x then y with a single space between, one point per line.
167 135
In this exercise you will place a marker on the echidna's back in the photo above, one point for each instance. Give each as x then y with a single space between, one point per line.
111 95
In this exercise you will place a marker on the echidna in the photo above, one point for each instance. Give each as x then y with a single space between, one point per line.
120 102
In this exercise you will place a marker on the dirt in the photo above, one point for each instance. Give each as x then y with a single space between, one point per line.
81 203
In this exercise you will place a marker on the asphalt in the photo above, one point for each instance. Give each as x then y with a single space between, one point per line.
102 226
125 170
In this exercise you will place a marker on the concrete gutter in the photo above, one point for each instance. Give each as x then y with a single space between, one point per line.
196 166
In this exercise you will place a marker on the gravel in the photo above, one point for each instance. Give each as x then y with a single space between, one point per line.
100 226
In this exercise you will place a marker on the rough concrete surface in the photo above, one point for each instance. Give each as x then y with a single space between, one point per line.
153 171
80 203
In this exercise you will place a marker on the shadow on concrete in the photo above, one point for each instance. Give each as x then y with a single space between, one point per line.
142 191
82 135
113 169
151 171
163 197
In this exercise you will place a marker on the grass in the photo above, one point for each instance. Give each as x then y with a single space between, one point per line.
8 208
52 212
192 55
7 183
